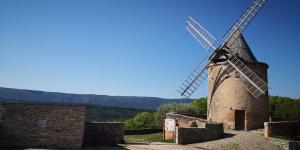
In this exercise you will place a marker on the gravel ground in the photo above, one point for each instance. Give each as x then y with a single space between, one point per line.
233 140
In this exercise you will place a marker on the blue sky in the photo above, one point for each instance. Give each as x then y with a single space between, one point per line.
135 47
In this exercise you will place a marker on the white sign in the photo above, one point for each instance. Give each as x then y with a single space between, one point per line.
169 124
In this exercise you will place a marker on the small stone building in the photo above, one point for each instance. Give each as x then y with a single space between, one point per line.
185 129
41 125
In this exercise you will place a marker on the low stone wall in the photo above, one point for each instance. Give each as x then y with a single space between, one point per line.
41 125
183 120
195 135
185 129
108 133
195 115
285 144
287 129
142 131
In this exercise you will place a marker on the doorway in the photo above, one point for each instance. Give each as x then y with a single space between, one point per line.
239 119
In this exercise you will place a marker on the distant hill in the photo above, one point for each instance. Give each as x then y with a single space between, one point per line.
109 113
149 103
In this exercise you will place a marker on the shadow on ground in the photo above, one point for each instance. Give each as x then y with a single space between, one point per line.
227 135
106 147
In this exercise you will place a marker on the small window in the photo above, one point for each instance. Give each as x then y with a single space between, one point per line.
237 75
194 124
43 123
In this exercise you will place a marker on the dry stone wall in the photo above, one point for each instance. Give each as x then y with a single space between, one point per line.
196 135
183 120
186 133
288 129
41 125
284 144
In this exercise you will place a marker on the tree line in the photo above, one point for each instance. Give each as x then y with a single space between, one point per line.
280 108
155 119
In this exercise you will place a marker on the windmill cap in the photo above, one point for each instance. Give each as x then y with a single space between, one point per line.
240 47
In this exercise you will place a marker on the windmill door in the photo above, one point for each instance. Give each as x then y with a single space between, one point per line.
240 119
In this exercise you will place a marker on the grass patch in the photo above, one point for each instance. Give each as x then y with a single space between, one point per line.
153 137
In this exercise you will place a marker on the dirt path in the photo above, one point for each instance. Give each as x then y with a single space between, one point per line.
233 140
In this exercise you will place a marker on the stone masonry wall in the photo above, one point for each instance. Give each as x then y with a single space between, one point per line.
195 135
182 120
284 144
185 133
227 94
103 133
186 121
41 125
281 128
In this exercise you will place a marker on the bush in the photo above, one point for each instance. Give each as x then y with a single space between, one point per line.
173 107
141 121
280 108
284 108
154 120
200 105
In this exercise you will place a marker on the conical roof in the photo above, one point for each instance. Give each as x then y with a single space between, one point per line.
241 48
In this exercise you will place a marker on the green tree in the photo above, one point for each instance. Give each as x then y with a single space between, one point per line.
284 108
144 120
200 105
173 107
141 121
129 124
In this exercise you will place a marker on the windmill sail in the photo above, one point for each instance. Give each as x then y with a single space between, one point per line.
201 35
243 21
190 85
255 85
199 74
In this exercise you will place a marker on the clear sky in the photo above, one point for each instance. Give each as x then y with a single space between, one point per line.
135 47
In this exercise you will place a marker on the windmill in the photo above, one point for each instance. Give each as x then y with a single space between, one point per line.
225 52
237 85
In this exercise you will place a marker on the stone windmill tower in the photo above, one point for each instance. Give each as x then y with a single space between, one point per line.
237 82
